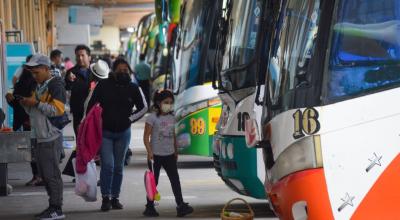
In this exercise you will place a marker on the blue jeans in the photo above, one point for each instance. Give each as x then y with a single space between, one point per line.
113 149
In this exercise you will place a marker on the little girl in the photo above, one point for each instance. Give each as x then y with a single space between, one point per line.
159 139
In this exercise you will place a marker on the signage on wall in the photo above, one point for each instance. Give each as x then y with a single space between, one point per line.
16 54
85 15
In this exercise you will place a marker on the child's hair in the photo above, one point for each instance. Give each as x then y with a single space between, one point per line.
159 96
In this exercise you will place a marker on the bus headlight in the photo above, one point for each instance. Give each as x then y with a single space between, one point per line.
301 155
223 150
217 145
230 151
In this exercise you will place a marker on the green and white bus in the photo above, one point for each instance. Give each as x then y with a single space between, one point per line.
245 32
197 106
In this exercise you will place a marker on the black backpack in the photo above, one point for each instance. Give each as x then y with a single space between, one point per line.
60 121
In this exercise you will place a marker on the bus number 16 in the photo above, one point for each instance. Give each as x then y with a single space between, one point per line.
305 122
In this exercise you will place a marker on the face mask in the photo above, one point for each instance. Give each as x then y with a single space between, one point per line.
166 108
122 77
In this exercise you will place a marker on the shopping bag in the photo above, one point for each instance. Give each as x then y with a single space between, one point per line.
86 183
150 184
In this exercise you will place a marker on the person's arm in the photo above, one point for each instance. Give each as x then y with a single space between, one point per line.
140 104
56 104
10 99
69 79
146 140
175 147
14 80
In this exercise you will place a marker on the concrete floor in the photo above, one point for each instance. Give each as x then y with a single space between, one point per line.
202 188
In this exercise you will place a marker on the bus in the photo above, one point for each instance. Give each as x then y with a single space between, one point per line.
167 18
131 52
159 68
144 29
241 168
330 125
197 106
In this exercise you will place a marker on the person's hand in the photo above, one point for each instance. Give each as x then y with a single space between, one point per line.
176 155
71 77
10 97
29 102
150 156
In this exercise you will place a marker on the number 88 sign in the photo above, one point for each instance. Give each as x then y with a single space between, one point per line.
197 126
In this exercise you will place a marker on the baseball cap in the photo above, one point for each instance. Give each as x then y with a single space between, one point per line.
39 59
100 69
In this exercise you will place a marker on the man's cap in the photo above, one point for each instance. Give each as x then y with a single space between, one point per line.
39 59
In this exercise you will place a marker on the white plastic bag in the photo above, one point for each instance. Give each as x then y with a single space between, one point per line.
86 184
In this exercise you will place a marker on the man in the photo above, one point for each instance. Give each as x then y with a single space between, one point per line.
142 73
77 80
57 63
47 101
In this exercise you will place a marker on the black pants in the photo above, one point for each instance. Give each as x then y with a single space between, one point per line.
69 169
76 122
169 164
34 168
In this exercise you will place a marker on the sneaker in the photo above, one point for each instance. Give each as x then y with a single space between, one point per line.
34 181
39 182
183 210
115 204
150 211
106 204
52 214
31 182
40 214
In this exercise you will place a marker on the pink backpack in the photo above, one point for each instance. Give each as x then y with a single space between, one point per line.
150 184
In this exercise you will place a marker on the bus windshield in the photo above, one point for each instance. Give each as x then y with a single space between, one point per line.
193 34
240 48
365 48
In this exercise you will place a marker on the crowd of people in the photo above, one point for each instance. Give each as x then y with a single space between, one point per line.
43 87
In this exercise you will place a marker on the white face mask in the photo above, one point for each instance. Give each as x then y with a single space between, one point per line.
167 108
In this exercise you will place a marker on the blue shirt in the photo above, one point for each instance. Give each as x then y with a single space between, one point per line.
142 71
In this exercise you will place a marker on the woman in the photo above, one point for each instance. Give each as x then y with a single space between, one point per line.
117 95
24 86
99 71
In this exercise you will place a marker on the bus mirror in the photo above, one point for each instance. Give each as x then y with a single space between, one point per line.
302 80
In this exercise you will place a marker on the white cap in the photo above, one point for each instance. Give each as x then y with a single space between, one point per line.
100 69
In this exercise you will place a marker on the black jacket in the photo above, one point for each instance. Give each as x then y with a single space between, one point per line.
79 91
24 87
118 100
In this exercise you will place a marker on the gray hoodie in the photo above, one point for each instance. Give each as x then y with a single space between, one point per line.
51 97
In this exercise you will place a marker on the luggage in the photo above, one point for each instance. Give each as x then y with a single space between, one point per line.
86 183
